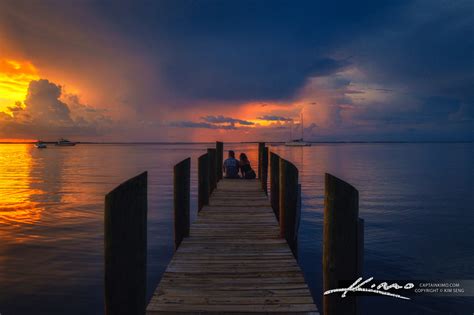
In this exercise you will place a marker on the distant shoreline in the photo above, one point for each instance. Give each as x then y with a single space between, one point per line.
238 142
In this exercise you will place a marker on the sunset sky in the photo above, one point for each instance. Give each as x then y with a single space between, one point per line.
237 70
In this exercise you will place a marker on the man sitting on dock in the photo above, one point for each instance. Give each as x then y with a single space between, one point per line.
231 166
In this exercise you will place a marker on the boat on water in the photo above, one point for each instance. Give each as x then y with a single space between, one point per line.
65 143
40 145
298 142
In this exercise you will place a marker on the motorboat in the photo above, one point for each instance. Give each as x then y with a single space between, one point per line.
40 145
298 143
65 143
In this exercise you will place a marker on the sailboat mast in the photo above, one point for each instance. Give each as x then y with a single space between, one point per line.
291 130
302 128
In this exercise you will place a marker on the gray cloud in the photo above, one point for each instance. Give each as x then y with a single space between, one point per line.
43 105
426 53
193 124
327 66
200 54
222 120
274 118
213 122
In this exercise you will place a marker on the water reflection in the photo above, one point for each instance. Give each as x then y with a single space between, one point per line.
415 201
51 216
19 205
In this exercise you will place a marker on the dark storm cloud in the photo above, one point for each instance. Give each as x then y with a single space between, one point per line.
222 119
245 50
428 52
439 108
274 118
213 122
162 56
194 124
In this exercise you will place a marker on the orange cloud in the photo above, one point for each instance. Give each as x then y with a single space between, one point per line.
265 114
48 112
15 76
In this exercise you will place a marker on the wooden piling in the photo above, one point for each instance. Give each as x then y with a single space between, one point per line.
360 247
125 235
181 188
264 178
274 183
341 256
203 181
261 146
297 218
288 203
212 169
219 159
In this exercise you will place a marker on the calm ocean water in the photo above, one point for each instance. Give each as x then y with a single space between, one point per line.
417 201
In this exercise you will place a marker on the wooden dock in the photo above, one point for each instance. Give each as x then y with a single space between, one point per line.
239 255
234 260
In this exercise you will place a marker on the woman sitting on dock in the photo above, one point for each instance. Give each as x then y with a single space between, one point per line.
245 168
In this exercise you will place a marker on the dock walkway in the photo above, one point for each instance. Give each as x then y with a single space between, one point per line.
234 261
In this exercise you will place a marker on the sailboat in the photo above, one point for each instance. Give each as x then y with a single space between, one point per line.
298 142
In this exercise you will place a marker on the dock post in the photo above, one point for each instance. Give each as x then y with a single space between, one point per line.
219 159
203 181
265 170
360 247
297 218
261 146
181 187
125 235
288 184
342 243
212 169
274 183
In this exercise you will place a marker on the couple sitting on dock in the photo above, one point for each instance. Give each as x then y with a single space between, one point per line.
232 167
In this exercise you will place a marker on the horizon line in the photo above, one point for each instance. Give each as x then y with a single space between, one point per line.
244 142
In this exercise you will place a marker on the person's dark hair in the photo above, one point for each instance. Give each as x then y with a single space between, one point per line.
243 157
231 153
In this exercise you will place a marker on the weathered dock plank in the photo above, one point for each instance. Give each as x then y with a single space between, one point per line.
234 261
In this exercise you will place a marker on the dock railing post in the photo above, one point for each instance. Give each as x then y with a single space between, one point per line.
360 246
264 179
274 183
212 169
125 235
288 204
182 184
219 159
203 181
342 244
297 218
261 146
